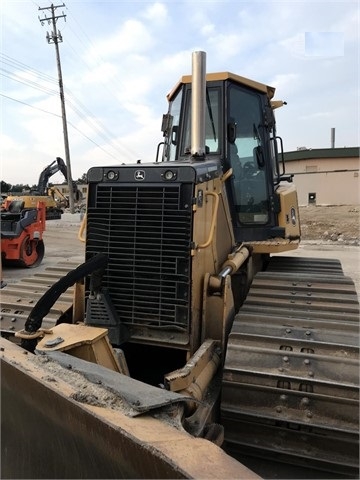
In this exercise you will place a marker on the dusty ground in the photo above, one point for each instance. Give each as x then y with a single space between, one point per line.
340 224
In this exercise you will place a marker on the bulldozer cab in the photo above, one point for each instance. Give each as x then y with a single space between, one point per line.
240 132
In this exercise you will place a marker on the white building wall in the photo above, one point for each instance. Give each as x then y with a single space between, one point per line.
333 181
331 188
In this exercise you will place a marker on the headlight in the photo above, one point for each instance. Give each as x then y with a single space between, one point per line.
169 175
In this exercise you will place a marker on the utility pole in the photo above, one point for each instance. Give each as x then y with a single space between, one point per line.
56 38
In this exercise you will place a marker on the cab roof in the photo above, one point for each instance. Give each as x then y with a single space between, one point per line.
213 77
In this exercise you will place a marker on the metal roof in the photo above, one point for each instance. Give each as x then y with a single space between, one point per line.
211 77
313 153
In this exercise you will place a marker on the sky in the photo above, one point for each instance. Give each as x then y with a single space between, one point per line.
119 59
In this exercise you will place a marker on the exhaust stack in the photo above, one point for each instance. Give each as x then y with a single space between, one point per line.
198 102
333 138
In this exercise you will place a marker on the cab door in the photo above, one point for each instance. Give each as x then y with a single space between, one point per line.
252 187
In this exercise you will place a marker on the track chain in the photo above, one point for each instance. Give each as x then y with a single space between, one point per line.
291 376
18 299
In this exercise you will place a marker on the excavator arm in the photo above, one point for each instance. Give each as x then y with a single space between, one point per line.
58 165
54 167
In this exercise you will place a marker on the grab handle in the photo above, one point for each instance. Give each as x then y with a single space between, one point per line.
213 220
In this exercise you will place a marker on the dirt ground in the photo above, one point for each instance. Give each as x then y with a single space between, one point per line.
329 224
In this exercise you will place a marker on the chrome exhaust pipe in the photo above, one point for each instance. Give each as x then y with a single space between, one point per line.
198 105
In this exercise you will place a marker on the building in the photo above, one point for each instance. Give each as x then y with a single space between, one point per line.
63 188
325 176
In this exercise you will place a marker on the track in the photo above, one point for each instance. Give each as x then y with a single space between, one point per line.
291 376
18 299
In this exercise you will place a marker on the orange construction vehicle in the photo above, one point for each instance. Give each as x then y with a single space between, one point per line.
22 234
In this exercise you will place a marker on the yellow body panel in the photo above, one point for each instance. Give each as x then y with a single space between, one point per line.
212 239
88 343
30 201
288 218
289 212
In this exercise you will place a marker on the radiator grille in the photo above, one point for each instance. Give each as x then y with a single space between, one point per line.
145 231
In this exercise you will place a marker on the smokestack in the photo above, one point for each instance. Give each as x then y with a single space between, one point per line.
198 99
333 138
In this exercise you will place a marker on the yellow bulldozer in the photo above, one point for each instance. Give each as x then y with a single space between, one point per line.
193 350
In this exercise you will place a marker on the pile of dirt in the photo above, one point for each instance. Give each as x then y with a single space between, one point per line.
338 223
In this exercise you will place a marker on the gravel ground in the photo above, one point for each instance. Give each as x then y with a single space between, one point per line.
333 224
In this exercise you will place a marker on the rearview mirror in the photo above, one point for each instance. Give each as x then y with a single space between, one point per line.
259 154
231 132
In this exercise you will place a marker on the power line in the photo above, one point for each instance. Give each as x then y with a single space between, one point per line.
72 102
28 105
58 116
16 63
93 122
27 82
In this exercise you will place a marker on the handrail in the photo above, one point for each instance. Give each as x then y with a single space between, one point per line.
213 220
226 175
82 229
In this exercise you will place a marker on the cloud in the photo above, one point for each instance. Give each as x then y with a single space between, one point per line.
294 44
208 30
324 44
120 59
132 37
285 83
7 142
104 71
156 13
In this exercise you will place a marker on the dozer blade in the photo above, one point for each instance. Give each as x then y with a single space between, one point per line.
58 423
291 376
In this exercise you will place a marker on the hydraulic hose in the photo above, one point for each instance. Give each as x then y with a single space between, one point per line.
45 303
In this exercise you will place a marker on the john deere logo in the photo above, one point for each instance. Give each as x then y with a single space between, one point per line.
139 175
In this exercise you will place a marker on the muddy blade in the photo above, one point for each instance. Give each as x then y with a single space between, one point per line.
49 437
58 424
291 376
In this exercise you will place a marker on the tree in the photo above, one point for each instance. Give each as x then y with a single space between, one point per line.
5 187
82 179
19 188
